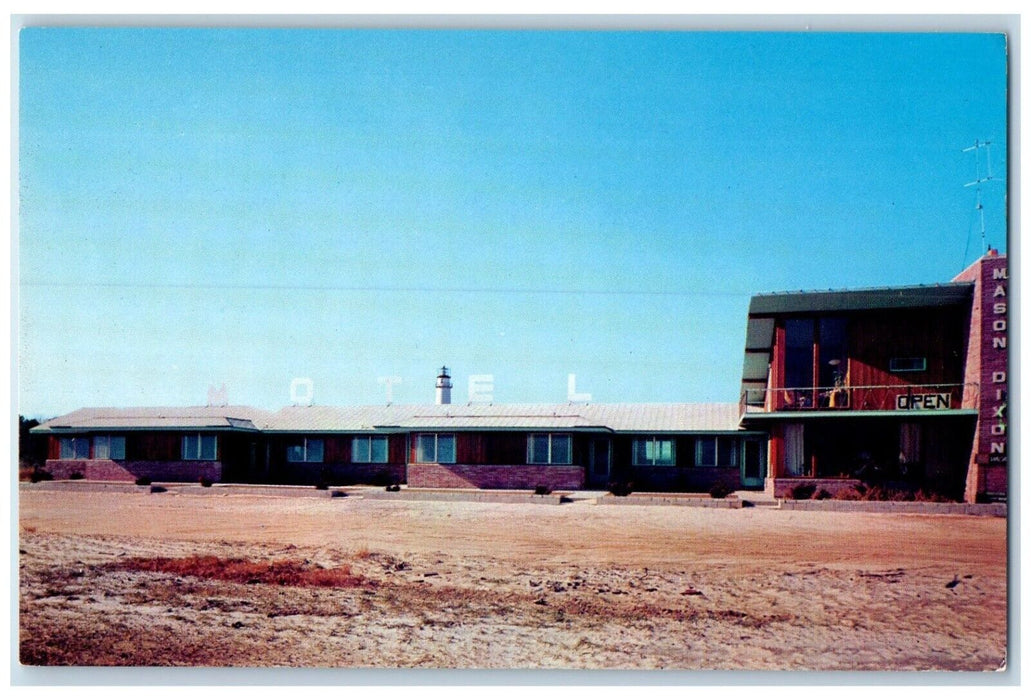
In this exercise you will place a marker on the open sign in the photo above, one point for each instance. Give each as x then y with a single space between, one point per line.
923 402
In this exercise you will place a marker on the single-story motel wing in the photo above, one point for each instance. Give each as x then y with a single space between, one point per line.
906 385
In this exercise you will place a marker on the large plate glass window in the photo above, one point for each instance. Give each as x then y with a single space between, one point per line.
716 452
546 448
435 448
74 448
369 448
833 352
199 446
305 450
658 452
799 335
109 447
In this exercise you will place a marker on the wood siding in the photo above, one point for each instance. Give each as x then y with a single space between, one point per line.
939 335
874 338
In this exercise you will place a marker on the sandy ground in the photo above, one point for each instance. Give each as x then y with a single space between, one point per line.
476 585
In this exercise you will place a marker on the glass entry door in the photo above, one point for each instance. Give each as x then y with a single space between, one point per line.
599 461
753 464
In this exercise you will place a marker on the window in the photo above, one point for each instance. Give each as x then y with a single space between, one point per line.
74 448
369 448
305 450
715 452
200 447
434 447
833 352
907 364
545 448
109 447
799 335
654 451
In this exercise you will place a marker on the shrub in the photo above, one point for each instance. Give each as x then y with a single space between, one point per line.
393 488
275 573
76 475
541 490
40 475
822 495
143 481
849 494
719 490
205 482
803 492
621 488
931 497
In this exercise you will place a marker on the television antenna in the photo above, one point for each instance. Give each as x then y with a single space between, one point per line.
981 179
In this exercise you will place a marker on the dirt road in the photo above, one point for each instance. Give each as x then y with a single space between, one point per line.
477 585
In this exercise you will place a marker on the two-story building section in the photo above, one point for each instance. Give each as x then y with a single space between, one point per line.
882 385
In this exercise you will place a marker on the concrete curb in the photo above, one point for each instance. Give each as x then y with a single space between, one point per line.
997 510
669 500
462 495
83 486
234 490
173 488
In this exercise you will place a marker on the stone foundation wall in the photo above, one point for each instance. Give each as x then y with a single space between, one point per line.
130 470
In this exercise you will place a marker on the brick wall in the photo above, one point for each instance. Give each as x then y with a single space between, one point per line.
125 470
988 364
495 476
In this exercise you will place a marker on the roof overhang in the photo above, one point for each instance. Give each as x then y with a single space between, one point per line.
921 296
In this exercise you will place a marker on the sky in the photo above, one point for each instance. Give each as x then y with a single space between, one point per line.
246 207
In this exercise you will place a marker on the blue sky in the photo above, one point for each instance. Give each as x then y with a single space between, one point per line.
200 207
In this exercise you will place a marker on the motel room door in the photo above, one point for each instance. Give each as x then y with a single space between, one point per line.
753 464
599 461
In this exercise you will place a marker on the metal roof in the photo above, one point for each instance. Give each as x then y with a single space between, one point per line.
645 418
563 416
335 418
921 296
157 418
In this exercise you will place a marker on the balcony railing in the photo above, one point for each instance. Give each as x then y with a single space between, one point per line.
894 397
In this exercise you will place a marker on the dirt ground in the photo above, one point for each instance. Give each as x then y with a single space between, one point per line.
479 585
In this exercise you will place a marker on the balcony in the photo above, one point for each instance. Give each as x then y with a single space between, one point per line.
897 397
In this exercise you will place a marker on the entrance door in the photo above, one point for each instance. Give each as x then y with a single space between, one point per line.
600 461
753 472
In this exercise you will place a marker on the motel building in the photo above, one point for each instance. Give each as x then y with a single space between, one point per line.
901 386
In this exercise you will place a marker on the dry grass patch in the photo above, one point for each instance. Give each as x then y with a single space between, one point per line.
278 573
